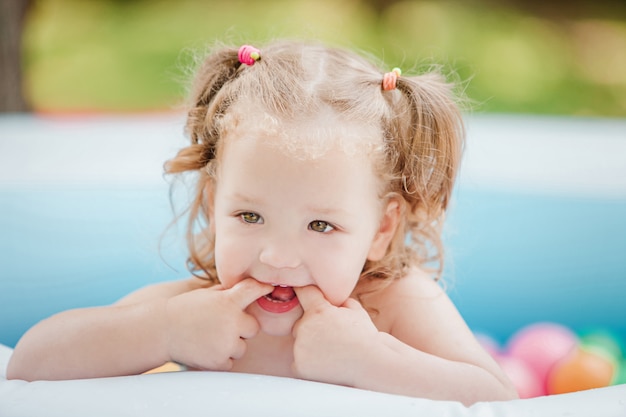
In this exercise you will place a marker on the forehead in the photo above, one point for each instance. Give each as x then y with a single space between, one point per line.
254 166
305 136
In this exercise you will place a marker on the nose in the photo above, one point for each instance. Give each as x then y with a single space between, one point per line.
281 255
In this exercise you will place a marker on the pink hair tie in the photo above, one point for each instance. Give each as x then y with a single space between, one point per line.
390 78
248 55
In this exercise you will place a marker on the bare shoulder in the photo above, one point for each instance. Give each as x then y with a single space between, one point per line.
164 290
415 290
416 310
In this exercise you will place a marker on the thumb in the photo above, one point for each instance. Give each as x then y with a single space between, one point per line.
311 297
245 292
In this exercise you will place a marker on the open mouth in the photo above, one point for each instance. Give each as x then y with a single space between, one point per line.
280 300
281 294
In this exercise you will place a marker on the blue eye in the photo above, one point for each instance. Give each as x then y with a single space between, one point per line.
320 226
249 217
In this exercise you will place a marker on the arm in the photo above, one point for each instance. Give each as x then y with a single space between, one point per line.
402 369
425 350
92 342
177 321
100 341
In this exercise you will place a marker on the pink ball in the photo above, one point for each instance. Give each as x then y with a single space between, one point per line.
527 384
541 346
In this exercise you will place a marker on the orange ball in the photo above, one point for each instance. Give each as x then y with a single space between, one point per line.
579 371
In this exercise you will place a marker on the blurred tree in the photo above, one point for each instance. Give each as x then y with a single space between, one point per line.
559 9
556 9
379 6
12 14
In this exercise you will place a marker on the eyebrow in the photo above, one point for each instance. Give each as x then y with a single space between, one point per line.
245 198
326 211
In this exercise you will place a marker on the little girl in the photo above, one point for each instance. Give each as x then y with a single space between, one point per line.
321 187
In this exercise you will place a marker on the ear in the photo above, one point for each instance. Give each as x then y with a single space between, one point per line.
386 230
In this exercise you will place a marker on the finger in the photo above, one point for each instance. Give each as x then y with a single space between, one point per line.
248 327
239 349
311 297
248 290
227 365
295 369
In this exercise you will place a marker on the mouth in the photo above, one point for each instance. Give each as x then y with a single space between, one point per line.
281 300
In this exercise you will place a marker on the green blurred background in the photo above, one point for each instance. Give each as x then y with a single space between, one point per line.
537 57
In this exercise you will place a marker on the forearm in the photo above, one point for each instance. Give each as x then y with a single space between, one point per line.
399 369
93 342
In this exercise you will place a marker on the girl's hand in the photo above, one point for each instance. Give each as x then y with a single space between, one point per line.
207 328
332 343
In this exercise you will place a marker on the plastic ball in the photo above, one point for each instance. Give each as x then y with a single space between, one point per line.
603 342
523 378
541 346
620 374
581 370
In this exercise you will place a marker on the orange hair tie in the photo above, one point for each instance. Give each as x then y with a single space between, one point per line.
390 78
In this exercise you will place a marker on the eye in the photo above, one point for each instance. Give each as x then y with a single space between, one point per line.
320 226
249 217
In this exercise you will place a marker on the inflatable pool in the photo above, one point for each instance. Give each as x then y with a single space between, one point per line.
536 233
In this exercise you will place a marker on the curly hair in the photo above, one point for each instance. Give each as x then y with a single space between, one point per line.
419 124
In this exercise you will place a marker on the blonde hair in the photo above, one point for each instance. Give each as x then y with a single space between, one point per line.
420 124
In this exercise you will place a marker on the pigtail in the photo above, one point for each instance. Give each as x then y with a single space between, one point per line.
428 139
432 143
205 108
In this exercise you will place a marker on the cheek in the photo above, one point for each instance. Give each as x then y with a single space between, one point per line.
343 270
338 276
232 259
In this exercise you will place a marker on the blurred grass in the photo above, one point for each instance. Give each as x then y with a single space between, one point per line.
134 55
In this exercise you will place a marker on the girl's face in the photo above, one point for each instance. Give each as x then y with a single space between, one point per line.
292 222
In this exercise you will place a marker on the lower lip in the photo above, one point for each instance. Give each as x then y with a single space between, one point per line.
278 307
